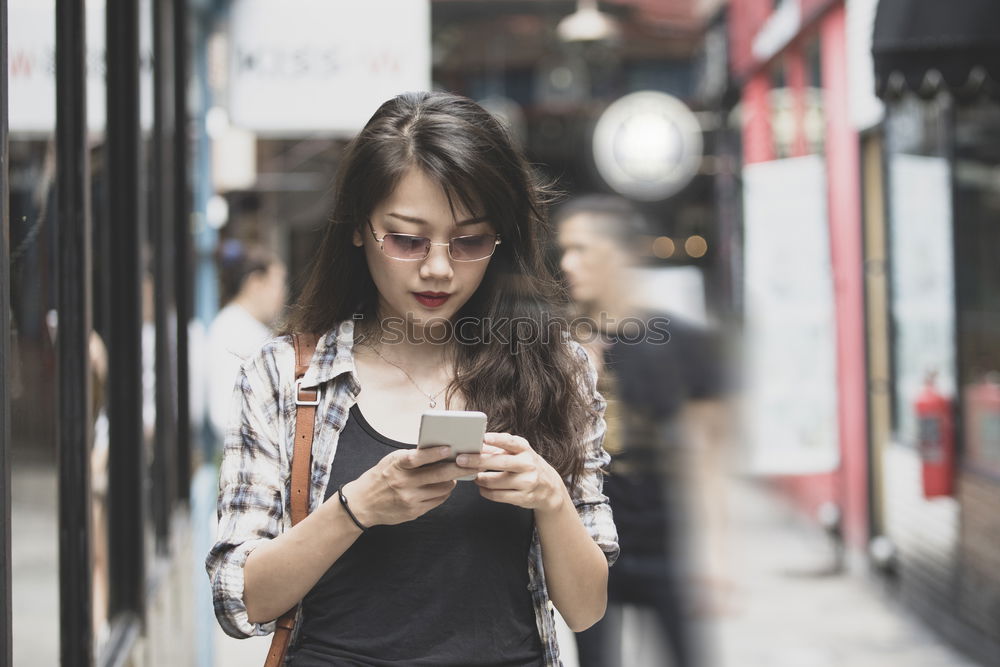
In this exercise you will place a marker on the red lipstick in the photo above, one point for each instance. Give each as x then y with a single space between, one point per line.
431 299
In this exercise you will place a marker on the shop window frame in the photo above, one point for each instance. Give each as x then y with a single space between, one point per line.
127 469
73 405
6 620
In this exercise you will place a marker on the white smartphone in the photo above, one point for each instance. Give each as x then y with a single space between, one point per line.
462 430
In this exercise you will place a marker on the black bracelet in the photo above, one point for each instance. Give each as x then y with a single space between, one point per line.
347 508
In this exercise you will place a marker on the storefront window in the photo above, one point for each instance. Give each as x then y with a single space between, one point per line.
977 212
798 126
61 355
921 257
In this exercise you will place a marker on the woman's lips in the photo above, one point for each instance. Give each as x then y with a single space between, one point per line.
431 299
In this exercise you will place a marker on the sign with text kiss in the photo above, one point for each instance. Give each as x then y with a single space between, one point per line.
323 66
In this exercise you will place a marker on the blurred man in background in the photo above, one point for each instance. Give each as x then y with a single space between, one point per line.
253 290
657 372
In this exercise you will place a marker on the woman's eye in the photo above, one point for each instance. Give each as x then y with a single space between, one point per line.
473 247
404 246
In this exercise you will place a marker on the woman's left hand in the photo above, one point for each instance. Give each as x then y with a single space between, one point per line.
510 471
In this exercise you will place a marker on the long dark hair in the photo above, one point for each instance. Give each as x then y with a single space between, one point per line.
533 388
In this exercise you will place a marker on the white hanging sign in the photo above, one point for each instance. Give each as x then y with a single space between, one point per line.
31 67
323 66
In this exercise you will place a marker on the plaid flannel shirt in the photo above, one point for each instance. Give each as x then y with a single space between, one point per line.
255 476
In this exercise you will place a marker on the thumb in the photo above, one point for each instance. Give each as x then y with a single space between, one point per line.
414 458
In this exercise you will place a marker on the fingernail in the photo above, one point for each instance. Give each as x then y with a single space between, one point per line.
462 459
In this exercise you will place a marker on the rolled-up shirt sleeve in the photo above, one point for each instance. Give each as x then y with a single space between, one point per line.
588 496
251 490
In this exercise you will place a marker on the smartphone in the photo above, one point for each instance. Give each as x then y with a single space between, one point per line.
462 430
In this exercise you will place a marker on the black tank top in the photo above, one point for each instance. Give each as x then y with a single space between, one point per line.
448 588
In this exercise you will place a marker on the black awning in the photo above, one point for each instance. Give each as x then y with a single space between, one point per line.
926 45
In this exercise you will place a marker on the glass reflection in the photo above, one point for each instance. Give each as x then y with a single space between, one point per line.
34 521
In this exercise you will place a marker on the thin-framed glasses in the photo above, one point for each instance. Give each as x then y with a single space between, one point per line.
407 247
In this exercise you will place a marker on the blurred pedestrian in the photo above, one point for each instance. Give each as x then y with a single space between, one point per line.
652 366
435 227
252 281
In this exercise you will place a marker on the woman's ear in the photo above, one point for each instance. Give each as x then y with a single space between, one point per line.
356 238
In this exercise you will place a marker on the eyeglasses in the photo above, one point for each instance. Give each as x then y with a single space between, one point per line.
407 247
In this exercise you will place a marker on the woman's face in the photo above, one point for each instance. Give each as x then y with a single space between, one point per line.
430 290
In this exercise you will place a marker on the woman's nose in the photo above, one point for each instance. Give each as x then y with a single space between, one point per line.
437 264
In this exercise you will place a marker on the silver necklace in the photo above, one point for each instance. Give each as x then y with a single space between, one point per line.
432 398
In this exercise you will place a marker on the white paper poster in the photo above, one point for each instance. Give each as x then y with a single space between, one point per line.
790 336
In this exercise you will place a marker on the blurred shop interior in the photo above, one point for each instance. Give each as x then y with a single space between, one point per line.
522 61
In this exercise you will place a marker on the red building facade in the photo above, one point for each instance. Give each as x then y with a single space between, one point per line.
800 46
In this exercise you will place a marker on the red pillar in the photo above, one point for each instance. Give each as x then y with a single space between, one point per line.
758 140
844 182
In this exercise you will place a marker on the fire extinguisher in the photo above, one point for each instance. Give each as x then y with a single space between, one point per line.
936 434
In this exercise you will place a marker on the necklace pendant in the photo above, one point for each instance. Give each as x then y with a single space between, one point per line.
433 403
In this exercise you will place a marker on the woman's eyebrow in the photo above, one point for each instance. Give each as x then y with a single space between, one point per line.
421 221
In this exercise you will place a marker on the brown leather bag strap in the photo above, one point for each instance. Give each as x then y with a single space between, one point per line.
306 401
281 639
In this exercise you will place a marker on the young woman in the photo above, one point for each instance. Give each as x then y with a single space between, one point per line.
428 290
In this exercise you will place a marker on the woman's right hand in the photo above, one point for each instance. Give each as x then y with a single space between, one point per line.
404 485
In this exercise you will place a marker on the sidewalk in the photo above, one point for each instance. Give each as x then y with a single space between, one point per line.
790 612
